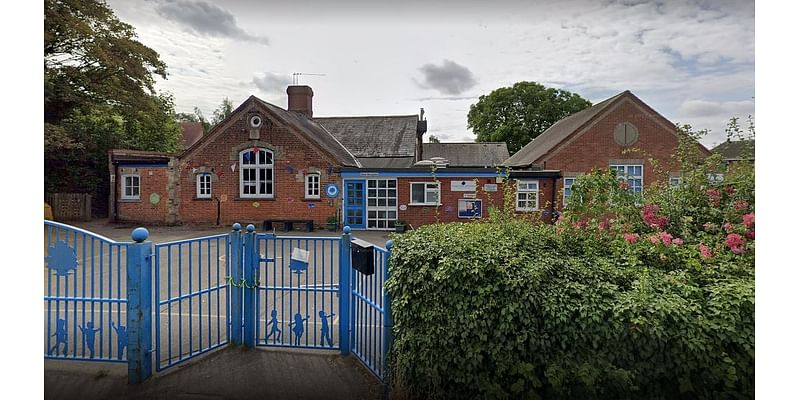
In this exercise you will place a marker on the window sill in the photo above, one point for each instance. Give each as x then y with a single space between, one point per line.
121 200
202 199
254 199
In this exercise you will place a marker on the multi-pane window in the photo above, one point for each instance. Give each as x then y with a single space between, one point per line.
312 186
256 173
425 193
131 187
527 195
674 181
715 178
204 186
568 188
381 203
633 174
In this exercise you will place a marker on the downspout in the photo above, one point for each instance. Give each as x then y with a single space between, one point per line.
553 200
114 218
218 208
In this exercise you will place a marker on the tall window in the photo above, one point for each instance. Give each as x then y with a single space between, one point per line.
568 188
204 186
425 193
633 174
312 185
256 173
527 195
130 187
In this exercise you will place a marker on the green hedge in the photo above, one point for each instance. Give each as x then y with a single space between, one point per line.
515 310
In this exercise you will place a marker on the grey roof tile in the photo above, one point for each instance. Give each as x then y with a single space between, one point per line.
377 136
467 154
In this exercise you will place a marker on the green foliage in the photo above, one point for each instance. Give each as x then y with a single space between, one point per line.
518 114
99 94
223 111
619 299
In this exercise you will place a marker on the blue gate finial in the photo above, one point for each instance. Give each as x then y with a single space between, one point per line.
237 226
139 235
346 229
251 228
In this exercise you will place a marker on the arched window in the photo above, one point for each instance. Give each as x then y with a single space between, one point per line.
256 178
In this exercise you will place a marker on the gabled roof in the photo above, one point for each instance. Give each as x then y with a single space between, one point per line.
736 149
303 125
191 132
558 132
378 136
487 154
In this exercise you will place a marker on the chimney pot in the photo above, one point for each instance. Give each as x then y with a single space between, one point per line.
300 99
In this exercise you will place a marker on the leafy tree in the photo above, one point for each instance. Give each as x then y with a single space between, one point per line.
195 116
99 95
518 114
223 111
433 139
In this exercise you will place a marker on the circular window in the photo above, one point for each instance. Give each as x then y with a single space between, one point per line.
626 134
255 121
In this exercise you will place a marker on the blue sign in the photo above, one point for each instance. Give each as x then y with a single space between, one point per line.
332 190
470 208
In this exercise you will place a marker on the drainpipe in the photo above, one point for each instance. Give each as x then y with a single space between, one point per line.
218 208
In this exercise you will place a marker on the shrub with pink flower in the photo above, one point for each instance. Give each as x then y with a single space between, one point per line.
677 241
748 220
714 196
651 217
740 205
654 239
666 238
751 235
705 252
735 242
728 227
604 224
631 237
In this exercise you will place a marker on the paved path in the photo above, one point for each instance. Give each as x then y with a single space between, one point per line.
231 373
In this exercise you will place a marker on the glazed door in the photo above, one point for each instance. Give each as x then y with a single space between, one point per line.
354 204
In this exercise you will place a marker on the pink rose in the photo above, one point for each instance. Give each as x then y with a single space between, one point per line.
740 205
748 220
728 227
651 217
665 237
735 242
705 252
751 235
631 237
604 224
677 241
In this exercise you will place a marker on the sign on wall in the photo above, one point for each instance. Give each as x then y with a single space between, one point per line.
462 186
332 190
490 187
470 208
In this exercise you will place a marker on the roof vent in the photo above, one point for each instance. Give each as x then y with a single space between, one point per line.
424 163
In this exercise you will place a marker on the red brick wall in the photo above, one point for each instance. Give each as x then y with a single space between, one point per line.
289 201
596 147
151 180
448 211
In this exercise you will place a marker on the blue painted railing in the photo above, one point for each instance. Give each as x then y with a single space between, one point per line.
192 297
239 288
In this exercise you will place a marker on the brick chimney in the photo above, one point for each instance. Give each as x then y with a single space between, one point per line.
300 99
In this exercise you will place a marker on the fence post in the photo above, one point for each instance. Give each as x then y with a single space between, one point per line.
233 280
344 292
249 283
387 323
139 306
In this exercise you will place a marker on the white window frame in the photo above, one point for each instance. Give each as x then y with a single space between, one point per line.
527 192
564 194
429 188
715 177
674 181
309 188
625 175
124 184
200 186
267 166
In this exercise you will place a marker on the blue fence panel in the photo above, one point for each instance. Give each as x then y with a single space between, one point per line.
297 294
192 298
85 295
369 326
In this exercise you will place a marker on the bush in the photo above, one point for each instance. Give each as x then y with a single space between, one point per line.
625 297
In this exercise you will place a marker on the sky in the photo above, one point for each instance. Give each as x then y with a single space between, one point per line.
692 61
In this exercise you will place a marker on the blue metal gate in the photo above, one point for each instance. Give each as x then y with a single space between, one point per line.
239 288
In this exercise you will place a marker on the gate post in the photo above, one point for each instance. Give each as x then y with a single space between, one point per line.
249 286
344 292
139 306
387 323
235 333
